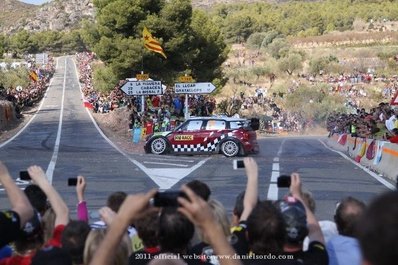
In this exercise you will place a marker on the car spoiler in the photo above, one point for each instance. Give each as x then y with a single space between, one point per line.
254 124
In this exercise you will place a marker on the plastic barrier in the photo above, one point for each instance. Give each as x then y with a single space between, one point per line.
380 156
149 128
136 134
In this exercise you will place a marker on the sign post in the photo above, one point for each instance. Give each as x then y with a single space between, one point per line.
192 88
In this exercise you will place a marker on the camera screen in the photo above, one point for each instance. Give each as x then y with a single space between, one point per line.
72 181
284 181
168 198
24 175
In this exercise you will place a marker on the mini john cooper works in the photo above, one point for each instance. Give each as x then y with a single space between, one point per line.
225 135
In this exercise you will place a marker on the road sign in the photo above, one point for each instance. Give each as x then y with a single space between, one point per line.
142 76
194 88
185 79
142 88
41 58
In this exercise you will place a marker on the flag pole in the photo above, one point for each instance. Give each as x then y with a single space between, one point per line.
142 72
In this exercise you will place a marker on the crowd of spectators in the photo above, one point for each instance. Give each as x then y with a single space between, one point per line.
23 97
158 109
379 123
192 227
353 87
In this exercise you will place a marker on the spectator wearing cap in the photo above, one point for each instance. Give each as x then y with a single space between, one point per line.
300 222
13 220
378 231
343 249
30 239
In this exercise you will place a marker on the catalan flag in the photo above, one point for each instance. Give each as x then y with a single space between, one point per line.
151 44
33 76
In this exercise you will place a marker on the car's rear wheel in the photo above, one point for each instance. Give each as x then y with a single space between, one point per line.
230 148
159 146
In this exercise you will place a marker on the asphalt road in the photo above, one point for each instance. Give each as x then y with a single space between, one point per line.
63 139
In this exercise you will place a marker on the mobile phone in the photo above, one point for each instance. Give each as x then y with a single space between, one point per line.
167 198
238 164
72 181
24 175
284 181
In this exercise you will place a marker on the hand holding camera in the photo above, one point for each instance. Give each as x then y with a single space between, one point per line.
284 181
168 198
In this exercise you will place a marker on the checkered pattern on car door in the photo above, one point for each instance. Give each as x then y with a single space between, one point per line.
207 145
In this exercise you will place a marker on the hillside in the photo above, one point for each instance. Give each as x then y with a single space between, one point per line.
55 15
11 9
66 14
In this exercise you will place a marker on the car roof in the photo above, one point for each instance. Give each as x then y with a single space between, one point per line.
217 118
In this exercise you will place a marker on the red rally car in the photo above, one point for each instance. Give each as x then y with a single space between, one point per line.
229 136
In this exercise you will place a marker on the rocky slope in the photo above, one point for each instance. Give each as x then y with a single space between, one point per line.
55 15
65 14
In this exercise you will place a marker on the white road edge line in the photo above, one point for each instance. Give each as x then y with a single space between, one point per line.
138 164
51 165
374 175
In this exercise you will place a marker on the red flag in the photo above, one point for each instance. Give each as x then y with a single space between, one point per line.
87 104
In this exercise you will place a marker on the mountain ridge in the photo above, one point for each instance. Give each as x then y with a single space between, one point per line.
56 15
66 14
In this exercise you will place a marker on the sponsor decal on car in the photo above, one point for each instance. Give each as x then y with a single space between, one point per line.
183 137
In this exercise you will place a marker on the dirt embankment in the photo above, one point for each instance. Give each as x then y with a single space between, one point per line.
114 124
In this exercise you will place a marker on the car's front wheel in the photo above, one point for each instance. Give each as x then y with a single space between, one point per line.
159 146
230 148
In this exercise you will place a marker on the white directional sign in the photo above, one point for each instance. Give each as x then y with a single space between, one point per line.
194 88
147 87
41 58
